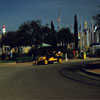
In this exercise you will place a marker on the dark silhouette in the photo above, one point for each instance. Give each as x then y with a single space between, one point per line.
97 19
76 33
53 35
34 33
64 36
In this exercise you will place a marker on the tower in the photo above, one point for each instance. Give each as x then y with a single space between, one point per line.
4 30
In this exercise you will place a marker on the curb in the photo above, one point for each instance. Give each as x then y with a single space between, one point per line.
86 67
90 73
82 59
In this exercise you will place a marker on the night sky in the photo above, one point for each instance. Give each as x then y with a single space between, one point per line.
14 12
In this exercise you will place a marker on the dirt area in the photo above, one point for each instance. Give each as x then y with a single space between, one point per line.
17 64
96 67
97 71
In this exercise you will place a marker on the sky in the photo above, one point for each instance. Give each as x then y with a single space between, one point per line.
13 13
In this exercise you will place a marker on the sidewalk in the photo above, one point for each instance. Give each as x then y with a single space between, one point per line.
95 65
96 71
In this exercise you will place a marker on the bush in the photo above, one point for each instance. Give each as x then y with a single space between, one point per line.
24 59
70 53
70 56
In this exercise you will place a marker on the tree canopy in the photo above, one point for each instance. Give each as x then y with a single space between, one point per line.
64 36
34 33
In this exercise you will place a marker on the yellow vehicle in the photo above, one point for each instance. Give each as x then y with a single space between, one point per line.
49 59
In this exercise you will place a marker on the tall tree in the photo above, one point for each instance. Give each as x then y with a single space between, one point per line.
46 35
52 26
36 30
76 32
53 34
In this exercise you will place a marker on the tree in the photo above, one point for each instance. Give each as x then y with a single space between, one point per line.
52 26
97 19
76 33
24 34
46 35
23 38
30 31
33 33
36 30
65 36
9 39
49 34
53 35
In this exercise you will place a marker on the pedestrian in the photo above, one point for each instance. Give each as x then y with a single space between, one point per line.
81 53
11 54
77 54
74 52
66 59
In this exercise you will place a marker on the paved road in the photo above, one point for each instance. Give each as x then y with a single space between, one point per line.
26 82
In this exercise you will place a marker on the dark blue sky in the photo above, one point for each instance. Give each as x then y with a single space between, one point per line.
14 12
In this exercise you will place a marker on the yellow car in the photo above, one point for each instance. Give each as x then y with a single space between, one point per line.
49 59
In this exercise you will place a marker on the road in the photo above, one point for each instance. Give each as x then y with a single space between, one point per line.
27 81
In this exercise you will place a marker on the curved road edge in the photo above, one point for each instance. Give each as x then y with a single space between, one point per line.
90 73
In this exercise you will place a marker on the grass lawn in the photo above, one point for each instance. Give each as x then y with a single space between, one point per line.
6 61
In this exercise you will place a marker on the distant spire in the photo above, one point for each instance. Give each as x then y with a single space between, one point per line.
4 29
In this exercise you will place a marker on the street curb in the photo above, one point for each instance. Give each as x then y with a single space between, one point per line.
82 69
82 59
93 82
90 73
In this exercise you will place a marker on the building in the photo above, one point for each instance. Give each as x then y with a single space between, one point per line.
88 37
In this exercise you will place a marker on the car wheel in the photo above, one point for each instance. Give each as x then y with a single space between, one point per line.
36 62
45 62
60 60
